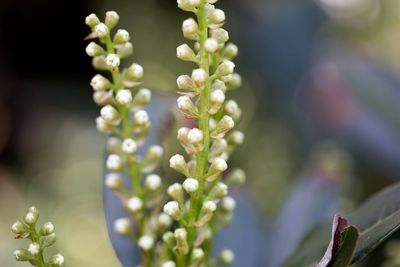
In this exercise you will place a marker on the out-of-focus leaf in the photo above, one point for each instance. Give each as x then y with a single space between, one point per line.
377 219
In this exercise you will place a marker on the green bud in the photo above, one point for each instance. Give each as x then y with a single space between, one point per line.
169 239
112 19
48 240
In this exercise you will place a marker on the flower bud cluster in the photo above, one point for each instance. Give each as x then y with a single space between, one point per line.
201 201
39 240
123 115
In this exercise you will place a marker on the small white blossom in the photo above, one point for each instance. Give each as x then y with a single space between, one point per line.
47 228
175 191
135 72
209 206
217 96
228 203
178 163
217 16
100 83
225 68
134 204
230 51
122 36
146 242
31 218
188 5
219 164
103 126
34 248
199 76
101 30
227 256
93 49
109 113
190 185
92 20
122 226
56 260
124 97
169 264
172 209
220 35
114 162
111 19
184 52
211 45
113 181
190 29
164 220
237 138
153 182
129 146
197 254
184 82
195 136
141 117
113 61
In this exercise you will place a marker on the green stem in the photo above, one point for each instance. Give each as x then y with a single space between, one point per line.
35 238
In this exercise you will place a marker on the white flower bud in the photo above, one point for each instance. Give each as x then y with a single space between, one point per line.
164 220
199 76
212 1
168 264
232 109
112 19
188 5
182 246
146 242
142 98
113 145
103 126
101 30
195 136
56 260
122 226
228 203
184 52
114 181
113 61
134 204
102 98
219 164
223 126
124 97
114 162
226 257
220 190
100 83
22 255
178 163
109 114
93 49
186 105
218 85
197 254
152 158
211 45
125 50
48 241
190 185
129 146
121 37
34 248
237 176
225 68
92 20
19 228
209 206
217 17
190 29
141 118
219 34
185 83
236 138
134 72
172 209
99 63
31 218
232 81
230 51
175 191
47 229
153 182
217 98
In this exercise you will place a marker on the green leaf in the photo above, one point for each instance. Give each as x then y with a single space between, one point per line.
376 219
346 249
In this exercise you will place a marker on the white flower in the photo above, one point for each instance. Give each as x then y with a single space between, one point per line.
190 185
141 117
92 20
227 257
209 206
190 28
129 146
172 209
195 135
169 264
113 61
111 19
113 181
114 162
100 83
146 242
199 76
122 36
93 49
135 72
211 45
184 52
225 68
109 113
122 226
101 30
134 204
34 248
217 96
228 203
217 16
57 260
164 220
124 97
153 182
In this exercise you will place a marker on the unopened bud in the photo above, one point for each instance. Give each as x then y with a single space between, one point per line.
103 126
152 158
164 220
22 255
218 147
99 63
168 264
56 260
199 76
114 162
190 29
121 37
236 138
110 114
232 109
228 204
223 126
226 257
113 61
47 229
100 83
230 51
178 163
211 45
182 246
129 146
184 52
49 240
185 83
134 72
134 204
219 34
195 136
190 185
217 17
220 190
169 239
225 68
94 49
153 182
142 98
146 242
92 20
101 30
175 191
232 81
124 97
172 209
197 255
122 226
34 248
112 19
125 50
188 5
237 176
19 228
141 118
31 216
218 85
114 181
217 98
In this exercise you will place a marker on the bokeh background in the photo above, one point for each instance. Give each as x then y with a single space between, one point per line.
320 97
